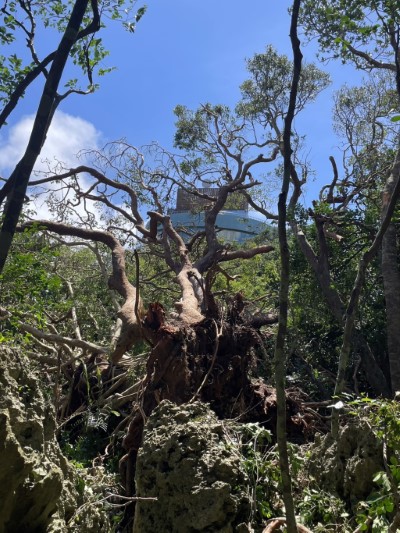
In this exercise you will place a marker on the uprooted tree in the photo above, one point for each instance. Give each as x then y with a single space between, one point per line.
199 339
201 346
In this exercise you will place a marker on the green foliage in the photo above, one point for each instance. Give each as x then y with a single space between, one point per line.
384 418
265 96
34 288
320 510
92 298
40 20
84 439
257 279
193 130
86 448
30 287
260 460
323 511
156 281
353 30
261 464
315 334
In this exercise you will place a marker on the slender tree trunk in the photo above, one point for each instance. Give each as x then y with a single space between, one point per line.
48 102
320 267
280 355
391 283
390 268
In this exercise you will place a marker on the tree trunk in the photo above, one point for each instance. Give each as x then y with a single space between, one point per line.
20 177
280 352
391 283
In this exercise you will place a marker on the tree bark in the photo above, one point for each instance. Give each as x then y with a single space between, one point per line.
391 284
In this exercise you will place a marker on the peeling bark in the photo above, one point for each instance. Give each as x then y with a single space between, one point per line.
188 308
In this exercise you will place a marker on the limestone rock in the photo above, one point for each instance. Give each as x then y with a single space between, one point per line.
187 465
37 484
347 467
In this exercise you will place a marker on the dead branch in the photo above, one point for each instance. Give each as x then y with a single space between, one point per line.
59 339
245 254
263 320
106 181
43 359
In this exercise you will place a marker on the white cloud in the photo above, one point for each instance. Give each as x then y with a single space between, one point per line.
67 136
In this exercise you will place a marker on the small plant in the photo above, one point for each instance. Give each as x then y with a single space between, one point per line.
381 510
323 511
261 463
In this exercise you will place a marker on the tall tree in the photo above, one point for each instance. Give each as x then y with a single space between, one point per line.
280 351
367 34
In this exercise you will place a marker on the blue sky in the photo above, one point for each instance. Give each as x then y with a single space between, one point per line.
183 52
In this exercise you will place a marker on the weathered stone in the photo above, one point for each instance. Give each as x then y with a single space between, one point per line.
187 465
37 484
347 467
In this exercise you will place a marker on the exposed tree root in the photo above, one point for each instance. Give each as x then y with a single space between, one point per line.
211 361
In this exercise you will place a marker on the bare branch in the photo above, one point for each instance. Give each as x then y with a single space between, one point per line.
59 339
371 62
245 254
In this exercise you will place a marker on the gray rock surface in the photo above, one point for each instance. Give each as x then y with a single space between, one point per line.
37 484
186 464
347 467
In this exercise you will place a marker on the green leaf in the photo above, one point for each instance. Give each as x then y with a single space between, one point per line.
389 506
